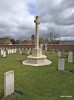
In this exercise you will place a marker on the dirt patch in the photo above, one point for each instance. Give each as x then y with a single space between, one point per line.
14 96
72 71
65 71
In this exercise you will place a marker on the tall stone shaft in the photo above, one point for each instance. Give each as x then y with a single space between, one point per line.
36 33
36 59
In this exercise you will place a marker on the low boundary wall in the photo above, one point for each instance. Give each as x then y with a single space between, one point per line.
49 47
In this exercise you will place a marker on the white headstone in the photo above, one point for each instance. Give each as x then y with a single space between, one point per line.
20 51
70 53
70 57
15 50
26 48
2 51
8 51
4 54
45 48
8 83
29 49
59 53
61 64
28 52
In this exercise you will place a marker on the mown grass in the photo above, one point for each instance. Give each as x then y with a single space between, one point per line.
39 83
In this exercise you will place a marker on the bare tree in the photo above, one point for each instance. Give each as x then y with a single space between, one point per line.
52 34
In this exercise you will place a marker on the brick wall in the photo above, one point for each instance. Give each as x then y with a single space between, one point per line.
61 47
54 46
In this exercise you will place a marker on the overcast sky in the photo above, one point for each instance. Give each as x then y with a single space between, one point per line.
17 17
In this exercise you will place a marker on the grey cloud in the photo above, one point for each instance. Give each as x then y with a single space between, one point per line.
51 12
57 12
16 21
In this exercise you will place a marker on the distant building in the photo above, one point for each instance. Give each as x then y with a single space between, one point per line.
5 41
66 42
27 42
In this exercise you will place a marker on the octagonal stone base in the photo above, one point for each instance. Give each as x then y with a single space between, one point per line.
37 61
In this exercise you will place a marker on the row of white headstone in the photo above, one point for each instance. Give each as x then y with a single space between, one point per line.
8 51
61 61
27 51
11 51
70 56
3 53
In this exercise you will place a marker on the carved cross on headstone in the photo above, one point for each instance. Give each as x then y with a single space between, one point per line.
36 32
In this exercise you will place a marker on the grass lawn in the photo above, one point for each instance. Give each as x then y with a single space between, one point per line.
39 83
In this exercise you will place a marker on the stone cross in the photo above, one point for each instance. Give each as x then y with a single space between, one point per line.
36 32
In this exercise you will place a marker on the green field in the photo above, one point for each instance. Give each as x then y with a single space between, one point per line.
39 83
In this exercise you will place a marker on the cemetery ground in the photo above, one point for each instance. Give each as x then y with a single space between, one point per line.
39 83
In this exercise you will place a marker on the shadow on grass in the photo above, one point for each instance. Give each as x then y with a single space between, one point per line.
14 96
